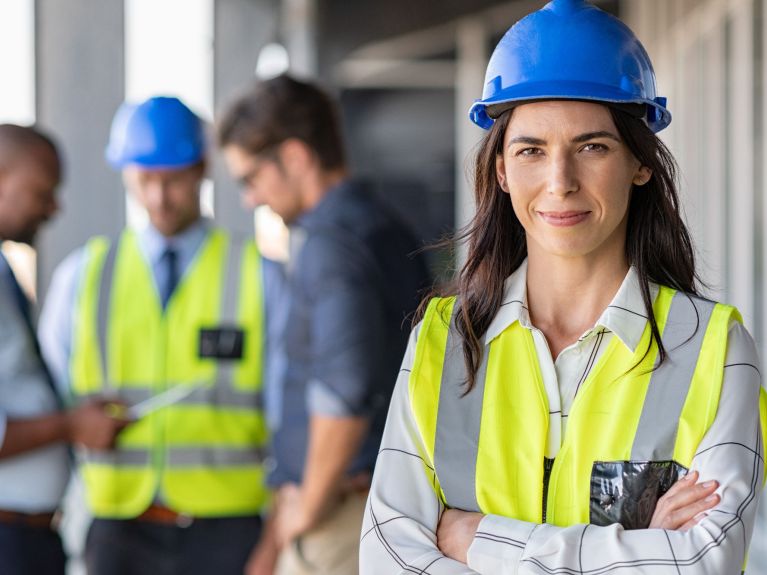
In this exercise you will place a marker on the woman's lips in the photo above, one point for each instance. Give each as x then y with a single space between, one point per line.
564 219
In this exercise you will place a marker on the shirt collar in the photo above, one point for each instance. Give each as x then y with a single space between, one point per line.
625 316
514 305
333 196
186 243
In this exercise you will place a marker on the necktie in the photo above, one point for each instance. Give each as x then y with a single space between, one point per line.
170 265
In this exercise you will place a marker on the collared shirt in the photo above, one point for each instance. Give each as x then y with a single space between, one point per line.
55 326
351 285
624 318
34 481
403 512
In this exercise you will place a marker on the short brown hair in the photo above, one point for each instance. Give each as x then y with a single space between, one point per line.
276 110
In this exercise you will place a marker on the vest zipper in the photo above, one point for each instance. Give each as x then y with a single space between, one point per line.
548 465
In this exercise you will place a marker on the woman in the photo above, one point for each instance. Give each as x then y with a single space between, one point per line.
578 407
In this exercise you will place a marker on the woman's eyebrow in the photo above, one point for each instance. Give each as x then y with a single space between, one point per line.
594 136
527 140
530 140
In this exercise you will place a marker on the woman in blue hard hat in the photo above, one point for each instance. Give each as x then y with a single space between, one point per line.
574 405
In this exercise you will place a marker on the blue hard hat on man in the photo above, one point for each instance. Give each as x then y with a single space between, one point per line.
159 133
567 50
159 147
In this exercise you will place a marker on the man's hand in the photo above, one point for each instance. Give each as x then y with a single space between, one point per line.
263 558
291 519
685 504
96 424
455 533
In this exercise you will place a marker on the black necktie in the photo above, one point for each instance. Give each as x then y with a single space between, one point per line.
170 259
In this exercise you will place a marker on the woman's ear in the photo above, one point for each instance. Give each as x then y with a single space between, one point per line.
642 176
500 172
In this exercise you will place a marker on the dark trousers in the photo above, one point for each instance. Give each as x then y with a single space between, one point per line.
206 547
28 550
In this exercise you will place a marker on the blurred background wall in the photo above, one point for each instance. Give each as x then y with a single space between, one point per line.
406 73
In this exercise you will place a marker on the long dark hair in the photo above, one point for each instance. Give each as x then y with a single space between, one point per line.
658 243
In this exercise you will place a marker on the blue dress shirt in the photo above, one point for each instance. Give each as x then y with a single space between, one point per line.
351 284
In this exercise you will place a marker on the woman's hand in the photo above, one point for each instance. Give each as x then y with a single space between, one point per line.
683 506
455 533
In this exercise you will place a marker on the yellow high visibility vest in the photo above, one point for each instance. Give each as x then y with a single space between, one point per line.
204 454
632 430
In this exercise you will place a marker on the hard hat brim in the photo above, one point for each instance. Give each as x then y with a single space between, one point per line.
484 112
121 162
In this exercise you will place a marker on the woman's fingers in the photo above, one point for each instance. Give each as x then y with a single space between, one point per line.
681 516
690 494
681 507
693 522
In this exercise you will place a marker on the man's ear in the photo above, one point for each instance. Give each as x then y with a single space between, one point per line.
296 156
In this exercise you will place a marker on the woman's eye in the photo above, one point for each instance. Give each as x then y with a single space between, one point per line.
594 147
528 152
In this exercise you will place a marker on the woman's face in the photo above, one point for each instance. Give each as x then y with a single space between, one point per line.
569 176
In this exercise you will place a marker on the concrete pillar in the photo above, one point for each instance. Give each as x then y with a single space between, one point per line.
80 83
471 60
241 29
299 32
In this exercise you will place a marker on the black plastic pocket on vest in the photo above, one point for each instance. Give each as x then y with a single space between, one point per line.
627 492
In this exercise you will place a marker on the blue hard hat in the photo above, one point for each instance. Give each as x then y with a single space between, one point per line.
160 132
570 50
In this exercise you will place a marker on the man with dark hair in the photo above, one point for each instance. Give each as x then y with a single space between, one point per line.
352 283
34 427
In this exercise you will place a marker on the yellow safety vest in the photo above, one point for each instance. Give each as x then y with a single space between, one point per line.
204 454
632 430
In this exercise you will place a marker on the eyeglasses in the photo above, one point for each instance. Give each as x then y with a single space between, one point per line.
258 162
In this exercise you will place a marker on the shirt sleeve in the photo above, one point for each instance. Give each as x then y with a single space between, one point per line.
275 316
348 326
731 453
403 510
54 328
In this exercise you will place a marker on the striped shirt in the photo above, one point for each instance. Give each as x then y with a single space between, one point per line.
398 534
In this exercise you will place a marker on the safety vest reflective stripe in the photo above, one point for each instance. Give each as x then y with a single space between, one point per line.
104 301
133 394
455 454
685 328
488 446
229 305
181 457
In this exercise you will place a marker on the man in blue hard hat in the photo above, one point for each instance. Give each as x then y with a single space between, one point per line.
169 320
